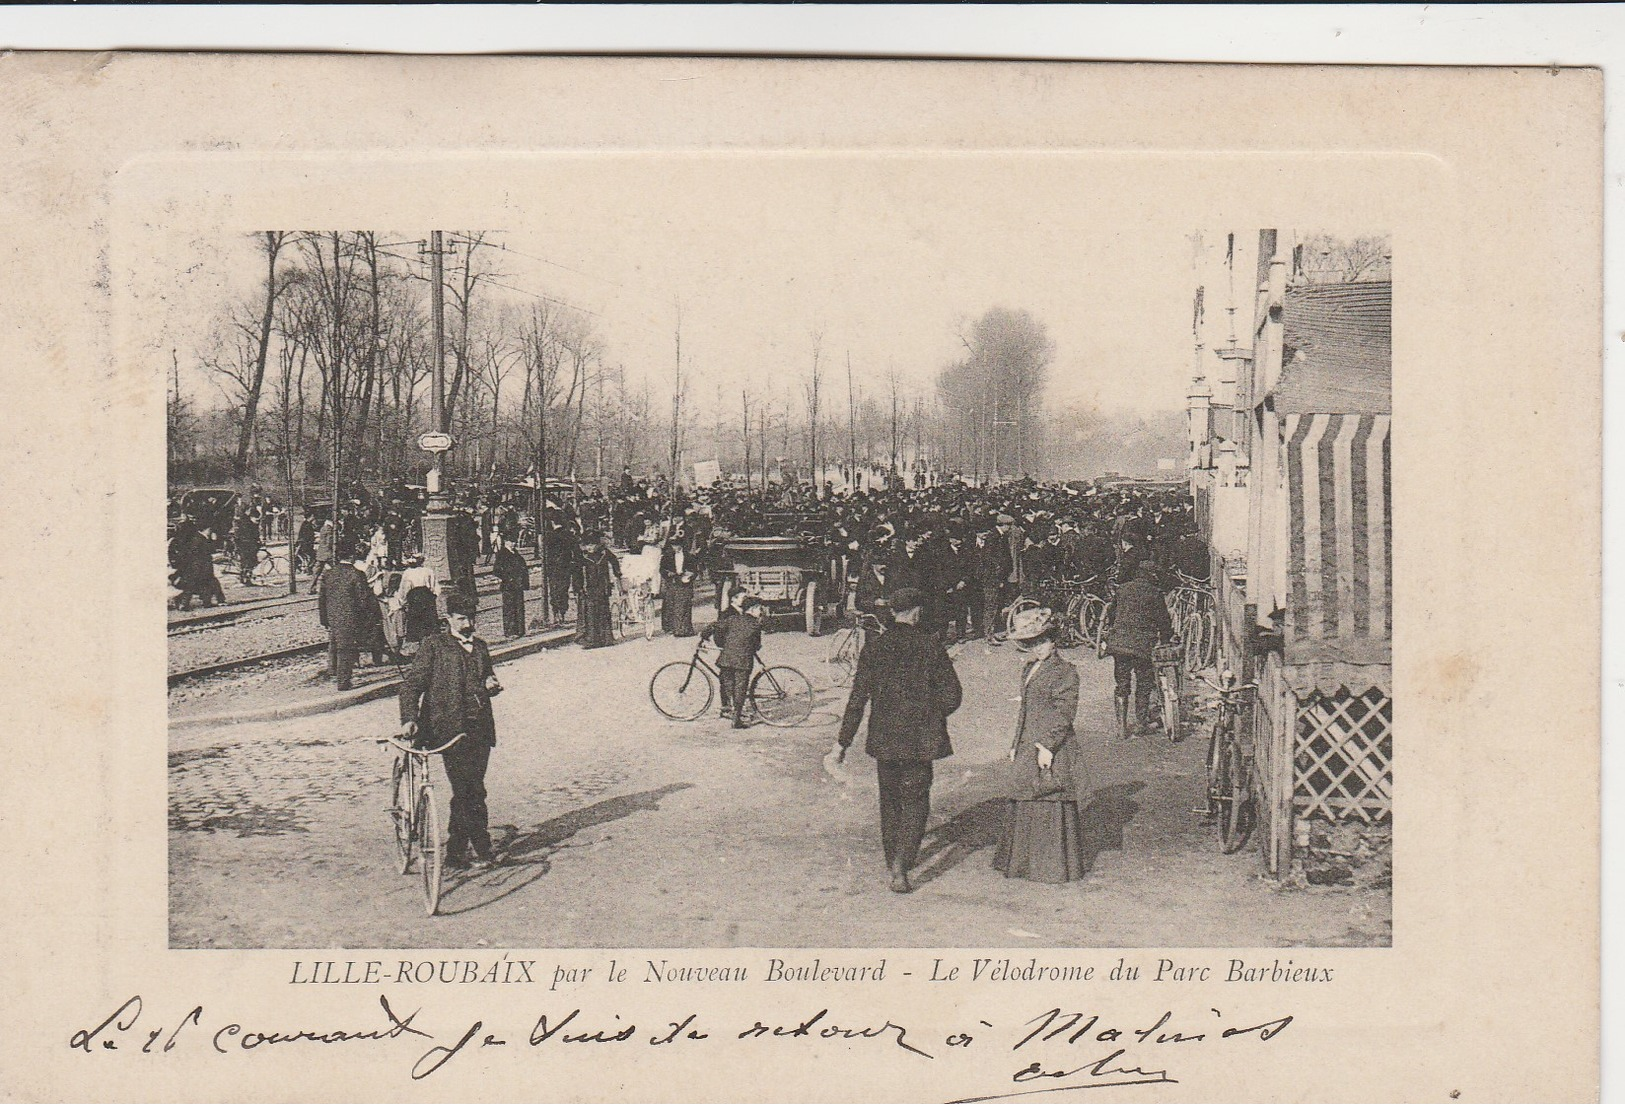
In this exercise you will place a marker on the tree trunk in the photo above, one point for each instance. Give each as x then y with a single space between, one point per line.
245 436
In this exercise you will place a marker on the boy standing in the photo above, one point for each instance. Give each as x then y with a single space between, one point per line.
739 634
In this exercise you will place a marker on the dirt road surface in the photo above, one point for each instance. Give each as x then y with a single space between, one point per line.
619 828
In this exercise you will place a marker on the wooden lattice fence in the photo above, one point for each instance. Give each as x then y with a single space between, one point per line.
1343 761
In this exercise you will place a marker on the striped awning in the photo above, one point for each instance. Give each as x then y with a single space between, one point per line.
1339 617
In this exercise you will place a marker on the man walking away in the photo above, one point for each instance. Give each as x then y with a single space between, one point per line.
1138 621
448 691
343 601
513 577
908 684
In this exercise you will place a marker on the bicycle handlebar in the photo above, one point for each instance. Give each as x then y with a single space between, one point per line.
396 741
1237 689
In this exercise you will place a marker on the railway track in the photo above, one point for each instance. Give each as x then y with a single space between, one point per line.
282 605
242 663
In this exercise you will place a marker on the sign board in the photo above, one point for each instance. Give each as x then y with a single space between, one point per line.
435 442
1165 464
706 473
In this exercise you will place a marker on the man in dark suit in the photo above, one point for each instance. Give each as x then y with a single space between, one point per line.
347 609
513 579
907 682
740 638
991 566
953 585
447 692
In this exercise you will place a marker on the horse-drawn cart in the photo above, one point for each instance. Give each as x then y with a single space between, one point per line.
791 575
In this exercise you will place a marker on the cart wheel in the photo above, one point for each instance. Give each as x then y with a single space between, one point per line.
814 612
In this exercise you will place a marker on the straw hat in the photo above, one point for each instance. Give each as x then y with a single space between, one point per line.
1031 624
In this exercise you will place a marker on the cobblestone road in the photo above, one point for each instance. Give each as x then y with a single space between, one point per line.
620 828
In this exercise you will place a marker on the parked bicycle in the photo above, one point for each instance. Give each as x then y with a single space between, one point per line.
1190 607
1165 660
684 689
416 817
1080 610
848 643
1230 799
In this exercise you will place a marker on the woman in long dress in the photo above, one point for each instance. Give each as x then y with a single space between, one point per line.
677 586
597 574
1042 839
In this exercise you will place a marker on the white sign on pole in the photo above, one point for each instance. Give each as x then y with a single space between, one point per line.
706 473
435 442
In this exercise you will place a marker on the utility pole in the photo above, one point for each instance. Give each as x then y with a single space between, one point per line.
676 417
437 517
851 426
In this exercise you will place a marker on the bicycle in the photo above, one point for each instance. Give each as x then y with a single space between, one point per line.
848 643
634 611
684 689
1165 660
1229 765
416 817
268 567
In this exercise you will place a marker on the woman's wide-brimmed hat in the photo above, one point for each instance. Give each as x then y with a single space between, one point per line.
1030 624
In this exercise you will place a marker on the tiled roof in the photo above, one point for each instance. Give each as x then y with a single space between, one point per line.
1337 349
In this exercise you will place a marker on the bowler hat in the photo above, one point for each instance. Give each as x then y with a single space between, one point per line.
458 601
904 599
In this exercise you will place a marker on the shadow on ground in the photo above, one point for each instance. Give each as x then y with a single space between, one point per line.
1104 818
522 856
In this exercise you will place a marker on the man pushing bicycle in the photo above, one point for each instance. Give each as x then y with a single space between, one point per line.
446 691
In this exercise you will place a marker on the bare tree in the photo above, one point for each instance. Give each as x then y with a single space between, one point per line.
1322 258
744 400
271 241
810 392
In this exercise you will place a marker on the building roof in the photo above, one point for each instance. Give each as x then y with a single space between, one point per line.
1337 349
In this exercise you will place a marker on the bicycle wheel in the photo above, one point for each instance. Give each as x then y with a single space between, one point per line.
1216 745
267 568
1092 619
1191 632
1020 605
400 812
681 690
843 657
1168 681
1233 821
431 849
781 696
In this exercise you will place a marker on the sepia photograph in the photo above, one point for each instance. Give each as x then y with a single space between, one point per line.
854 570
691 578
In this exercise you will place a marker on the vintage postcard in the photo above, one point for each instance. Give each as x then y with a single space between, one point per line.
753 580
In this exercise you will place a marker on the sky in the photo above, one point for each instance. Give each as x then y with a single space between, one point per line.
887 256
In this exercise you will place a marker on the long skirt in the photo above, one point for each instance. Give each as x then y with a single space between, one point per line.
596 629
1042 841
422 617
677 608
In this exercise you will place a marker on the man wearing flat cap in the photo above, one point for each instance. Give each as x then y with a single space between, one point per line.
907 683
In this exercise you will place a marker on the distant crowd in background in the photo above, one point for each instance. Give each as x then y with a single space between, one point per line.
968 549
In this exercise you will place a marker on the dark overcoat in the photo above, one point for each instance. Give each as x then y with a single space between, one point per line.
512 573
1139 620
348 608
908 684
444 691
